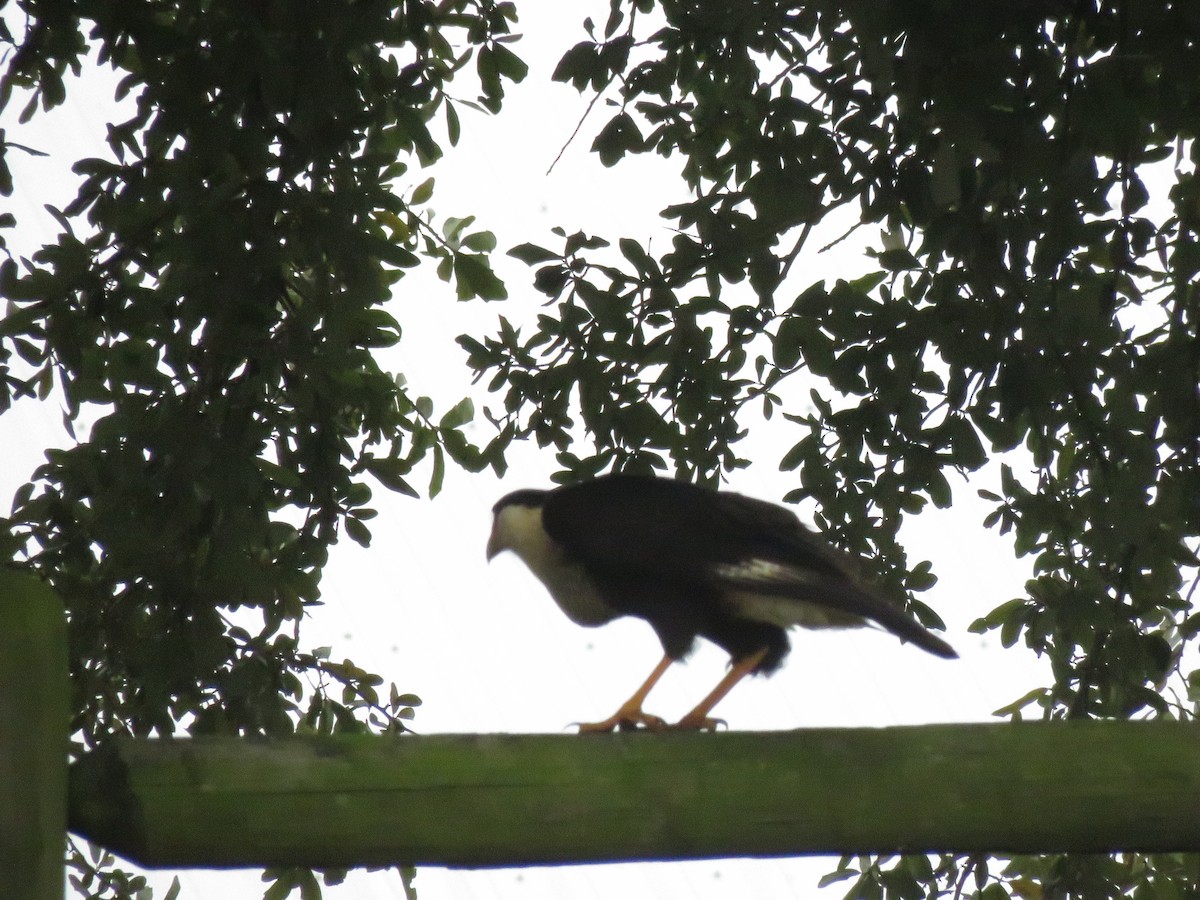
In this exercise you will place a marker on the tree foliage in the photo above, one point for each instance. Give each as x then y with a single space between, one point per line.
210 313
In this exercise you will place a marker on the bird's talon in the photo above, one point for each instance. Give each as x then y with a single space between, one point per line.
637 721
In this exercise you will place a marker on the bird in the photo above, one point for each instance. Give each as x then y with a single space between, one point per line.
692 561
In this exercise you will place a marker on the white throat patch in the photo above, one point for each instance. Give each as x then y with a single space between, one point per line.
519 529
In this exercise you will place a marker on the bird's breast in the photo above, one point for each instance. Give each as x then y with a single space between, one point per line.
568 583
576 595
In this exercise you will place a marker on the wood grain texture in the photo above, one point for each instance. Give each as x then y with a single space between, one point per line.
34 721
511 800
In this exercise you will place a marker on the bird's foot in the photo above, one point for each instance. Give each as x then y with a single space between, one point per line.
693 722
624 720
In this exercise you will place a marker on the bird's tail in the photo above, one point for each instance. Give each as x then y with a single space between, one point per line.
905 627
874 606
844 595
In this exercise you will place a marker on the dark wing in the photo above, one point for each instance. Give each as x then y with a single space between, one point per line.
837 594
680 530
790 561
655 526
657 532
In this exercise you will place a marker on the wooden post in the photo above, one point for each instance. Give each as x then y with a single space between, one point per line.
512 800
34 724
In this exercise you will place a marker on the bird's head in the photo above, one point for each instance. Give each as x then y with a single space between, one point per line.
517 523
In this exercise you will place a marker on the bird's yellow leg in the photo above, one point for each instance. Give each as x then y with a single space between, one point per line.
698 719
630 715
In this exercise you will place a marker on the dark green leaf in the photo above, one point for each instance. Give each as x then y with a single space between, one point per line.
531 254
475 278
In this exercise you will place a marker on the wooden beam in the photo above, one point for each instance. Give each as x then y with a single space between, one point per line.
511 800
34 721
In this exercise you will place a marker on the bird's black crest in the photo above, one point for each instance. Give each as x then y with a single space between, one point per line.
524 497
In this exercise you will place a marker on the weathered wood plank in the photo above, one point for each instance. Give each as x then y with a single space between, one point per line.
491 800
34 721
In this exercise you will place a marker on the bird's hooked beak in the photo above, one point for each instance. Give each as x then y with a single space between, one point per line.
495 543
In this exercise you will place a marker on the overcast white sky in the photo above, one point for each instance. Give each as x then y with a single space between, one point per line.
484 647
